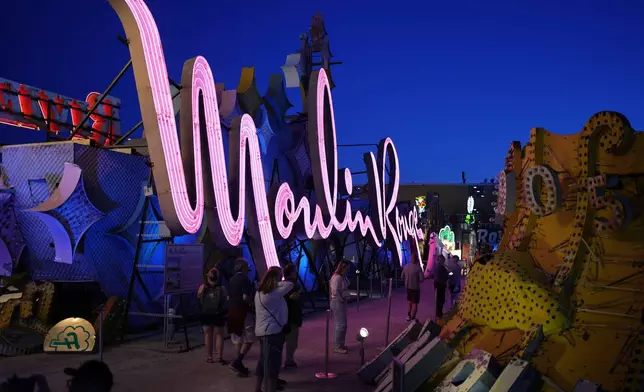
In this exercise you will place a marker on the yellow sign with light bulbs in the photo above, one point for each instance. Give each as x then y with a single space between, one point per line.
563 291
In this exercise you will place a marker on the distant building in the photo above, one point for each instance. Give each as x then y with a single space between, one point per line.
447 204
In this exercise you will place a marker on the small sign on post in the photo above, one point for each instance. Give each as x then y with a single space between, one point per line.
183 268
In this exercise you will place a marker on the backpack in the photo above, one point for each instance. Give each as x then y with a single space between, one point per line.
212 302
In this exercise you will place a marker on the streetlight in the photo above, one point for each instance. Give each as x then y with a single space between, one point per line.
358 289
362 335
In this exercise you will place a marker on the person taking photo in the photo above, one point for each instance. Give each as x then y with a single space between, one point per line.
271 326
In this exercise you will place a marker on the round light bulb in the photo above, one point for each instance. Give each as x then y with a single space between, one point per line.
470 204
364 332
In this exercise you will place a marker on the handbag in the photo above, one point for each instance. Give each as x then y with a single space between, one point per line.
286 329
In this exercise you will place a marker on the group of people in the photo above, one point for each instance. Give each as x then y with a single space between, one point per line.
446 276
270 313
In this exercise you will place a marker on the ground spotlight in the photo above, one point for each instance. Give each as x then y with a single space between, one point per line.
362 335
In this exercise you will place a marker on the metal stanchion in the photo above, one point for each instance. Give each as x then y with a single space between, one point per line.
388 314
165 321
358 284
396 277
265 347
370 286
100 335
326 374
399 375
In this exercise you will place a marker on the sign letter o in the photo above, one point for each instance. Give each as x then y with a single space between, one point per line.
532 192
506 199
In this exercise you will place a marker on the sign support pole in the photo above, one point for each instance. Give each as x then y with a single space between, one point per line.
100 99
388 313
100 334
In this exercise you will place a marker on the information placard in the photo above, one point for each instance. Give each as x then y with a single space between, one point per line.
183 270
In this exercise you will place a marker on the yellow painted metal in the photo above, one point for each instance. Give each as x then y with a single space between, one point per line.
247 80
568 272
33 306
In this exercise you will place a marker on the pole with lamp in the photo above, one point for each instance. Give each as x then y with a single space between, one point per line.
358 289
362 335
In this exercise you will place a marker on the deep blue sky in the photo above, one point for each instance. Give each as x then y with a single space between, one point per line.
453 82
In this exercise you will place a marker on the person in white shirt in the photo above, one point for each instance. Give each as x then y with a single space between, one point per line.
271 324
413 275
339 296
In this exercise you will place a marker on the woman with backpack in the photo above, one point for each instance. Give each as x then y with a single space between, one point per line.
213 298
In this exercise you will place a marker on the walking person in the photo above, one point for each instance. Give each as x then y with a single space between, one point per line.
339 296
454 280
241 319
440 284
413 276
213 298
271 326
294 304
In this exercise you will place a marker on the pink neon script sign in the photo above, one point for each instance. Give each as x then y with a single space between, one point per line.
188 190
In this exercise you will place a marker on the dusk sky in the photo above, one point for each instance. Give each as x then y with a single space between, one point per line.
452 82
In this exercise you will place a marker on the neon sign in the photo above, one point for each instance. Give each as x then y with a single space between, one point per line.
446 237
421 204
32 108
470 205
188 190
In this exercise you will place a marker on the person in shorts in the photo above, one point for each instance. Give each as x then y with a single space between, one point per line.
213 299
413 276
241 320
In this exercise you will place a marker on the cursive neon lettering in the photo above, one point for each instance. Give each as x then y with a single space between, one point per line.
189 190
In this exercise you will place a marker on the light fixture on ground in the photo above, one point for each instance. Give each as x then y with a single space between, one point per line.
362 335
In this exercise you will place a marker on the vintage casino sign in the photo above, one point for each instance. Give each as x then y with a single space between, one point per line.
33 108
188 190
490 235
72 334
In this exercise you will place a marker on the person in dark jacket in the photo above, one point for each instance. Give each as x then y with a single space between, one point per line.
441 276
294 304
241 317
454 281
